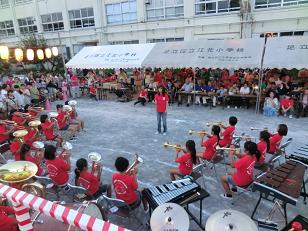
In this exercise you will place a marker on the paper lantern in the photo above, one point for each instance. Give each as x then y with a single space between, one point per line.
55 51
19 54
30 54
40 54
48 53
4 52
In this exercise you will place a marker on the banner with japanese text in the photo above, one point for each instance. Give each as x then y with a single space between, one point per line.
112 56
286 52
233 53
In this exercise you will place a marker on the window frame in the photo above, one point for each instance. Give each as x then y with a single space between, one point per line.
163 8
217 10
51 23
4 4
281 4
5 29
132 10
26 28
77 17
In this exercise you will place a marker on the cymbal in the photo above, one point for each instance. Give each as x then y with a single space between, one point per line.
169 216
20 133
17 171
230 220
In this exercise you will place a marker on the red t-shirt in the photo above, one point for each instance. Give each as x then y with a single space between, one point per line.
74 81
33 160
143 94
89 182
234 78
92 90
244 174
275 141
73 115
18 119
3 138
210 147
28 138
186 164
14 147
161 102
61 121
6 222
262 147
48 132
158 77
287 103
58 171
125 187
227 136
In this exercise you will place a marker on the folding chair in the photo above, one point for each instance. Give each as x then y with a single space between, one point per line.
198 171
244 190
212 163
4 148
280 152
118 208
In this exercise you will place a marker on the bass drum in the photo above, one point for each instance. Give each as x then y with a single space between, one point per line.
42 222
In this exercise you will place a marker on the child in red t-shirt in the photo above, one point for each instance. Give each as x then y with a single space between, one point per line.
210 144
31 136
228 132
243 176
275 139
287 106
7 221
5 133
263 146
74 117
15 146
92 91
186 161
125 185
89 181
48 129
161 100
58 167
143 95
26 156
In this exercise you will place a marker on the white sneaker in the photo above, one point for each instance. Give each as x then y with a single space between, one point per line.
156 133
235 107
290 116
225 196
228 106
164 133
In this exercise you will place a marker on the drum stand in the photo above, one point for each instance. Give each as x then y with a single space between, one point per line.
268 222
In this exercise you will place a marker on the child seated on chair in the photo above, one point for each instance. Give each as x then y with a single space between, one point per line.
210 144
228 132
48 129
186 161
126 186
243 176
74 117
8 221
89 181
275 139
143 95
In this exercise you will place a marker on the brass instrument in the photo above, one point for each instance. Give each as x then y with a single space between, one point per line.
258 129
166 145
96 168
20 135
66 147
53 114
199 133
10 124
245 137
137 161
237 150
67 108
34 124
72 103
218 123
36 109
53 117
34 188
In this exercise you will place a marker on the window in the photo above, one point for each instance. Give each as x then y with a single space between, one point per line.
81 18
282 34
204 7
52 22
121 13
27 25
161 40
124 42
165 9
7 28
278 3
21 2
4 4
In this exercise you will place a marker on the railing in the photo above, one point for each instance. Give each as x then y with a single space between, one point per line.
23 202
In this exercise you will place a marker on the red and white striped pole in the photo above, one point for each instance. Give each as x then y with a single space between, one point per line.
23 201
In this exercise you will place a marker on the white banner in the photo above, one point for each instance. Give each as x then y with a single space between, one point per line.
286 52
113 56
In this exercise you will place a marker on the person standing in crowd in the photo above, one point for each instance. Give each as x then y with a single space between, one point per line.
19 97
75 86
35 94
161 100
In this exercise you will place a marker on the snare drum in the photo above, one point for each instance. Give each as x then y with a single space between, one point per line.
42 222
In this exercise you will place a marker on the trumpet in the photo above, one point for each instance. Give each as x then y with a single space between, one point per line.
245 137
258 129
214 123
166 145
200 133
131 168
36 109
96 163
227 149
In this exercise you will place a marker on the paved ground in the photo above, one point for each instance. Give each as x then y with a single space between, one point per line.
120 129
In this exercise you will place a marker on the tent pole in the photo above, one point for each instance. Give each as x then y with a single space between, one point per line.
258 102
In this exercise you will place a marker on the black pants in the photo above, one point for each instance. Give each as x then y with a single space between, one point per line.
140 100
301 110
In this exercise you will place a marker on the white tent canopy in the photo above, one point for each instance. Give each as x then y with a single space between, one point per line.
113 56
286 52
233 53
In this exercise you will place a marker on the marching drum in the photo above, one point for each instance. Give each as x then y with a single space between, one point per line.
42 222
230 220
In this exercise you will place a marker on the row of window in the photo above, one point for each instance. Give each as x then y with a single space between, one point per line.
149 41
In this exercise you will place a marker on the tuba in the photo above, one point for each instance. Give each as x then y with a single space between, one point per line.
34 188
96 168
131 168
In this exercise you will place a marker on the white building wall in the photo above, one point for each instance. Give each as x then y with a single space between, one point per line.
189 27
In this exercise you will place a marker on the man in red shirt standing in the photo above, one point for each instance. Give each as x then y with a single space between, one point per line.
75 86
287 106
125 185
161 100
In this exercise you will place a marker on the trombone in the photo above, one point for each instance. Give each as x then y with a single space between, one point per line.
131 168
166 145
199 133
227 149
